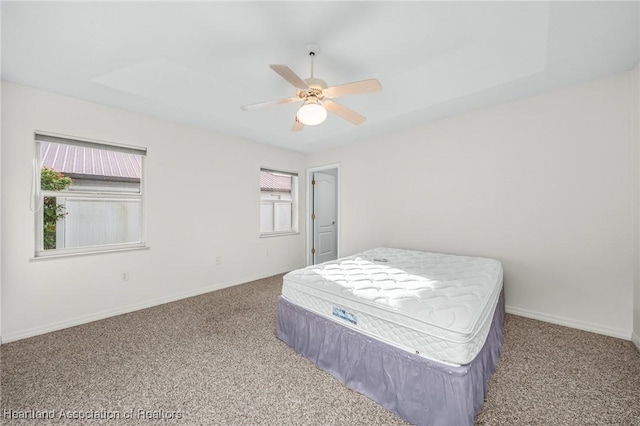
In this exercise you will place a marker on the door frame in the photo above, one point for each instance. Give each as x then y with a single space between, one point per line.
309 209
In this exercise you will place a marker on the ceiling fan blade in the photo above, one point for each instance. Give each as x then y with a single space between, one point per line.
286 73
344 112
355 88
297 125
269 103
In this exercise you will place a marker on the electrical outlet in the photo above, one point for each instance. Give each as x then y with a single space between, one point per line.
124 277
218 260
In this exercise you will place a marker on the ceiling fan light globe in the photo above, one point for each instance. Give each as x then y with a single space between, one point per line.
311 114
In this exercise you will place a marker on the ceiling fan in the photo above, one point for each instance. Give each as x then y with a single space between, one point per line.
317 96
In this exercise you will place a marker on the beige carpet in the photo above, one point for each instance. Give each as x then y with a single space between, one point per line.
214 359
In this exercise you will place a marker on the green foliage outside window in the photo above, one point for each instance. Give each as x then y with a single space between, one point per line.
51 180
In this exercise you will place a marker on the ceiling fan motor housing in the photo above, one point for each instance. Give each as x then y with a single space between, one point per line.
316 83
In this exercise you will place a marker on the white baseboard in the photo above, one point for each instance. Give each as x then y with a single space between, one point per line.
636 340
35 331
568 322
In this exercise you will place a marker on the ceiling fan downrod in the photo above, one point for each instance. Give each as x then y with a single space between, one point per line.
312 54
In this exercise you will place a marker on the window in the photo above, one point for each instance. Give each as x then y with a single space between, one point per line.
278 202
88 196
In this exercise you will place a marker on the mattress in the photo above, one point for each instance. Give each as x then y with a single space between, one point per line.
437 306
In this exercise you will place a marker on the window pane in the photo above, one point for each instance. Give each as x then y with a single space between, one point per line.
282 216
277 208
53 212
81 168
275 183
85 222
266 217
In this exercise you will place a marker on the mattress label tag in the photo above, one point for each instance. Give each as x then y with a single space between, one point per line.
345 315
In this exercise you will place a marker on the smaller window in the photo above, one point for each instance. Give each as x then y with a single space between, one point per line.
278 202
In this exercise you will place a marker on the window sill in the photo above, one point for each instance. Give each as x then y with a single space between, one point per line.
86 253
278 234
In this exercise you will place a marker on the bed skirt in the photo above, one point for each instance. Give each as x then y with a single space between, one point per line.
419 390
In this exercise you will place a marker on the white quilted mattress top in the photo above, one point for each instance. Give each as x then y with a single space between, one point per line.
454 294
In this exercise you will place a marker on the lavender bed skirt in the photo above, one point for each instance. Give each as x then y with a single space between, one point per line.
419 390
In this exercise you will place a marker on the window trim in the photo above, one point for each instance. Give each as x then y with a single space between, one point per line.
38 197
72 253
295 191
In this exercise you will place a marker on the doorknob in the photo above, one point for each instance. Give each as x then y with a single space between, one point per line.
333 222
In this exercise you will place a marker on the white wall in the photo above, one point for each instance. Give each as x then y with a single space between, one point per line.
635 94
1 239
544 184
203 201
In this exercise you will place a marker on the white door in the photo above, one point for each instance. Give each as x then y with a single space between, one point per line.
325 242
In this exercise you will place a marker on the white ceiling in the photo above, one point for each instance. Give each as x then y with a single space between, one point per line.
199 62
